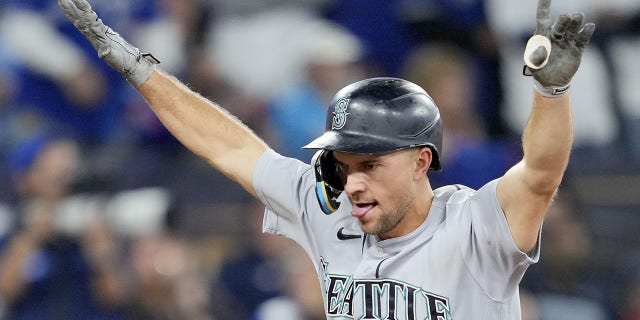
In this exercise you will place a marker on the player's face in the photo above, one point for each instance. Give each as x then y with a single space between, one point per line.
382 189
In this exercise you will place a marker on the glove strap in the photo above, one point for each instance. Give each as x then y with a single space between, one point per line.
145 65
550 91
546 91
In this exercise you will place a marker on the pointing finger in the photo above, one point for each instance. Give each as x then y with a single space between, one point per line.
542 16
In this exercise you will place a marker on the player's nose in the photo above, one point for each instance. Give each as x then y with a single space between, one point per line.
354 183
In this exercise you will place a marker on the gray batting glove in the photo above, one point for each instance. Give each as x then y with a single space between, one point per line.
553 66
136 67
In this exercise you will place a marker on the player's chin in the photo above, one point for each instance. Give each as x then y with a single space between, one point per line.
368 227
372 227
369 222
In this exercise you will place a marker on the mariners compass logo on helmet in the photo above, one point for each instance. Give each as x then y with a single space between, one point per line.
340 114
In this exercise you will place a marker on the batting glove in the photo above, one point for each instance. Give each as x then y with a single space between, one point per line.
134 66
553 54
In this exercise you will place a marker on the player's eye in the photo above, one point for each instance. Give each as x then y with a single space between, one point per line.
368 166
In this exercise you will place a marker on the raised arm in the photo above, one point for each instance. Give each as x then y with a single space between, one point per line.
526 191
202 126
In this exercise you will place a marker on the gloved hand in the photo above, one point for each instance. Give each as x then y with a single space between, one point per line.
136 67
553 63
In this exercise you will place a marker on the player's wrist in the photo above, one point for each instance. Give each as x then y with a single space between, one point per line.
551 91
144 66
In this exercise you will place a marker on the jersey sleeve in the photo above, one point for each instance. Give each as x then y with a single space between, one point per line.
488 248
285 186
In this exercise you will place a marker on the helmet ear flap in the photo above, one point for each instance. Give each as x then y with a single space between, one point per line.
328 183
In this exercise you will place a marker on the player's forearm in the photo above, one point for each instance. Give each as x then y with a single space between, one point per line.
204 128
552 56
547 141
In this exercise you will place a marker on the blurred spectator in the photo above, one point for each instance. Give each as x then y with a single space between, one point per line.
566 283
385 38
252 274
628 285
470 156
297 115
302 299
631 304
7 95
69 89
7 70
127 144
62 83
168 283
175 258
618 37
165 276
58 263
463 24
528 305
6 220
247 7
258 47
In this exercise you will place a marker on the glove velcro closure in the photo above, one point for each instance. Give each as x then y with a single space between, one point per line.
550 91
546 91
144 67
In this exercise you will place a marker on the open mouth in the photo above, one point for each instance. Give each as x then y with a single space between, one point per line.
359 210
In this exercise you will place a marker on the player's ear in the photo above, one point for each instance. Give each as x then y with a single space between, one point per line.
423 157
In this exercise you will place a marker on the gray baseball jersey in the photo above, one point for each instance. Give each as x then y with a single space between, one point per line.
461 263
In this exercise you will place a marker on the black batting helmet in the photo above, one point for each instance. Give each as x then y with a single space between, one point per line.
373 116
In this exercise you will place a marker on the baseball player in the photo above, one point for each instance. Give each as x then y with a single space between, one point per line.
386 245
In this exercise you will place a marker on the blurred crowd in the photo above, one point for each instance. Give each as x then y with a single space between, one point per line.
104 215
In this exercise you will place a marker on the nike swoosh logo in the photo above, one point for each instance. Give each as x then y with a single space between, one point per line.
344 236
